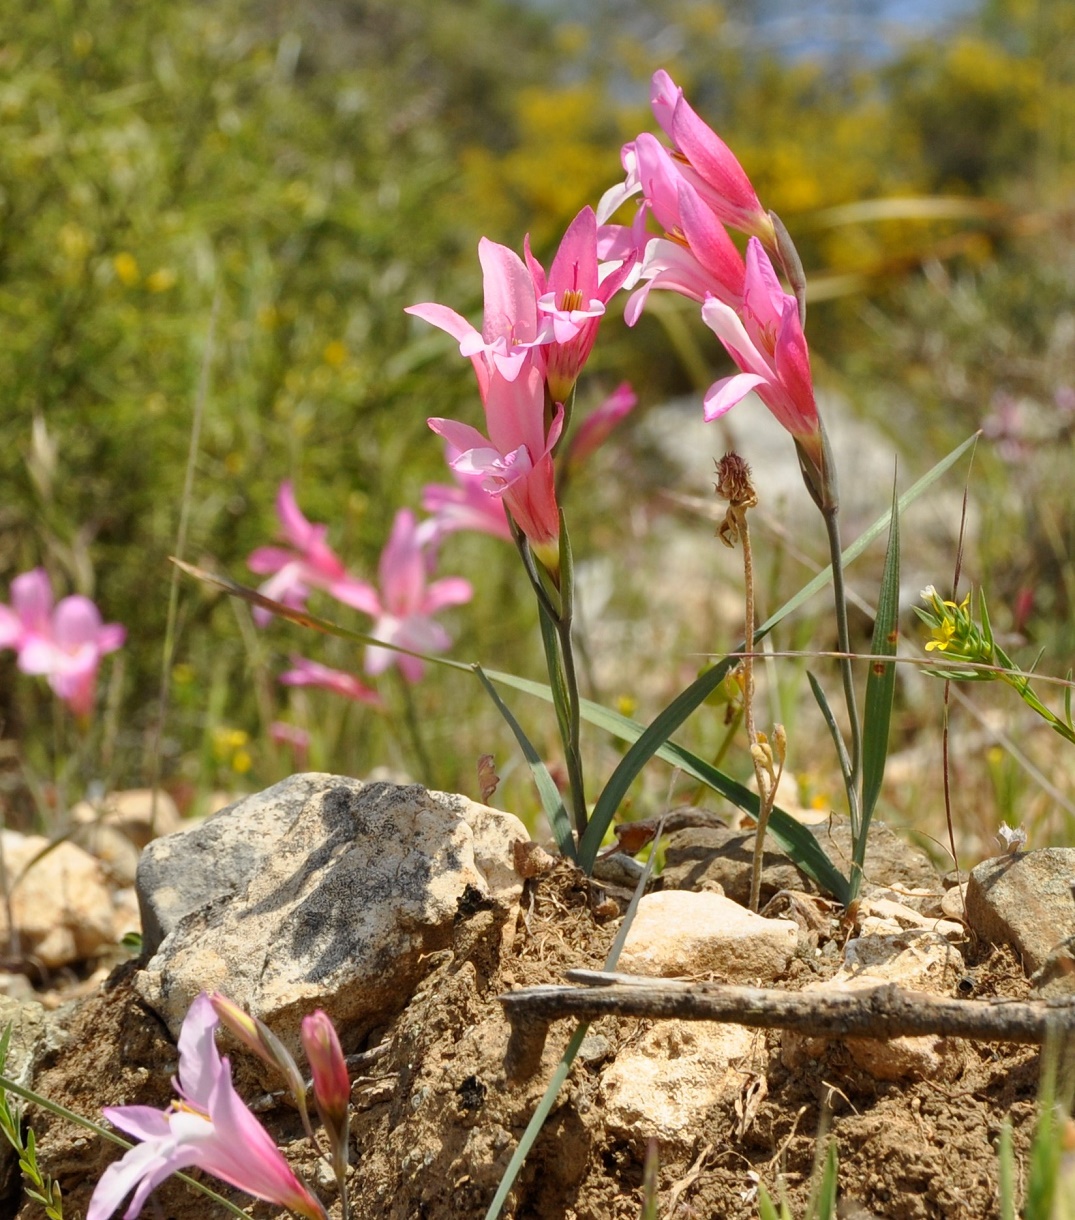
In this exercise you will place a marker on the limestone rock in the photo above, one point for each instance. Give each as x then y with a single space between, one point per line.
681 933
702 855
1024 900
918 959
666 1082
60 903
880 916
320 892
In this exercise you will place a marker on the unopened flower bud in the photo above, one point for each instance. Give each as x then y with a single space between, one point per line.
332 1085
256 1036
780 743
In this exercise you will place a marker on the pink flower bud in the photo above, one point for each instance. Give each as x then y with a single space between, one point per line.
332 1085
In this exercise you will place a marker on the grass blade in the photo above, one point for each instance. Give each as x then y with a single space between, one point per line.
547 790
823 704
662 727
880 683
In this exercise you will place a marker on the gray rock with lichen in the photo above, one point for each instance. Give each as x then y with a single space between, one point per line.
321 892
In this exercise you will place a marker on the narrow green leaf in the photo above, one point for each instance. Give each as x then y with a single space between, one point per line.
550 795
1067 702
880 682
766 1208
825 707
987 627
792 836
826 1195
864 539
662 727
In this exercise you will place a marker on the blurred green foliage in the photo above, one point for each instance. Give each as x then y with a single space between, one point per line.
314 173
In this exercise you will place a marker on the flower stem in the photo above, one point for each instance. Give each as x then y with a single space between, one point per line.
851 775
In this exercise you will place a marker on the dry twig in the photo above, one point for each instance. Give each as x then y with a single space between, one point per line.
885 1011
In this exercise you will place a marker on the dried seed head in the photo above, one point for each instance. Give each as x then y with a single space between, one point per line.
733 482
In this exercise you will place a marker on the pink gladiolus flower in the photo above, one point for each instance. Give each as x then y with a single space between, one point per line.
64 644
307 563
209 1127
596 427
765 339
311 673
511 327
406 601
573 298
698 260
709 164
467 506
515 460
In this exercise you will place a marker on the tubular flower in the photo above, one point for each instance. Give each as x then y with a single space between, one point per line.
404 605
765 339
64 643
311 673
306 563
708 163
515 460
466 506
572 298
511 327
209 1127
595 429
697 259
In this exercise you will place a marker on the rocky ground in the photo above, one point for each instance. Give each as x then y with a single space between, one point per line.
406 915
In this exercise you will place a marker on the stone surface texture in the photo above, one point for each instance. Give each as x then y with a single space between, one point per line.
666 1083
1024 900
699 857
918 959
321 892
60 902
678 933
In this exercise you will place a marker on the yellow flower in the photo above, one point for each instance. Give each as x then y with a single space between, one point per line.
942 636
161 280
126 268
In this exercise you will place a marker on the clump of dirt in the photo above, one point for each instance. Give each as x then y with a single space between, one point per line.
436 1119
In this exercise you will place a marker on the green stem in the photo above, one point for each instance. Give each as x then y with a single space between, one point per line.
851 778
558 614
414 731
572 742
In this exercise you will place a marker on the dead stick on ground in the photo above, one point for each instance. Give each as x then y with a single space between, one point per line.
885 1011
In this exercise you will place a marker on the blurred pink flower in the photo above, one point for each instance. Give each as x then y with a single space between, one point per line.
64 644
515 460
765 339
209 1128
466 506
307 563
284 734
403 606
595 429
573 298
311 673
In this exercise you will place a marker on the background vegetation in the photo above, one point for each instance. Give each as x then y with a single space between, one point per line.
260 190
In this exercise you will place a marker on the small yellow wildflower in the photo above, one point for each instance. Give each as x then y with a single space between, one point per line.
126 268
